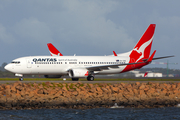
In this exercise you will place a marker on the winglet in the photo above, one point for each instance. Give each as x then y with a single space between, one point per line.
146 73
53 50
151 57
114 53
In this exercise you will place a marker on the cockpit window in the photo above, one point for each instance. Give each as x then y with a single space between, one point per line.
15 62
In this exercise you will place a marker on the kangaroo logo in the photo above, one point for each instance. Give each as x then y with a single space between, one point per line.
139 52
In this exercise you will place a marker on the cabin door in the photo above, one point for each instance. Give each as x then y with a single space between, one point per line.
29 65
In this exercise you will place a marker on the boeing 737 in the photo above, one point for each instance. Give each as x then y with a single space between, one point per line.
87 66
53 51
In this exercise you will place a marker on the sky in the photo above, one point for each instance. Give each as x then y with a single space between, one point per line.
88 27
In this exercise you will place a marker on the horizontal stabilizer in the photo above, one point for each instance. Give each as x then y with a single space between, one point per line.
162 57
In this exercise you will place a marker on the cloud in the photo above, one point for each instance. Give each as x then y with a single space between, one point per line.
33 30
86 22
68 22
71 23
5 36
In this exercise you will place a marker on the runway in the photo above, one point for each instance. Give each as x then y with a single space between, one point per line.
93 82
97 80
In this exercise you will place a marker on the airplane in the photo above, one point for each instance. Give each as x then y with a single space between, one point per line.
87 66
53 51
145 74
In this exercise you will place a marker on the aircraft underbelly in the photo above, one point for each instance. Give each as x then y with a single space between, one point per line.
111 71
54 70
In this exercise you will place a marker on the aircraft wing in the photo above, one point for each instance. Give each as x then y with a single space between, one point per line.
105 67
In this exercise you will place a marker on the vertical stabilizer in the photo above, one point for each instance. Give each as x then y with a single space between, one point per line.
143 47
53 51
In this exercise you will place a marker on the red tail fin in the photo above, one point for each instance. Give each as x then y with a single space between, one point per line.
114 53
146 73
53 51
143 47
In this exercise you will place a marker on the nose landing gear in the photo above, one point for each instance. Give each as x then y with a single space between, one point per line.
21 79
20 76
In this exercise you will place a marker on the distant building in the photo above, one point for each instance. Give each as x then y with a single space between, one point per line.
149 74
170 75
154 75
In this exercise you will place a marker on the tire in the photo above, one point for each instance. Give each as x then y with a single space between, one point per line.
21 79
90 78
75 79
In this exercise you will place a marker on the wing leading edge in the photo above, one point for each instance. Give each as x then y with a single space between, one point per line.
104 67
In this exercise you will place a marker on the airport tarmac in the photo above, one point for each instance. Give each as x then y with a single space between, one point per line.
3 82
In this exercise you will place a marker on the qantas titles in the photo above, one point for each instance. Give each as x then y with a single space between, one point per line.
55 60
51 60
44 60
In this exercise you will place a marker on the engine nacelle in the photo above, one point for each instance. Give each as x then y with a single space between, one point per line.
52 76
75 73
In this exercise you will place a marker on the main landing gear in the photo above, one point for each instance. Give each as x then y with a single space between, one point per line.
90 78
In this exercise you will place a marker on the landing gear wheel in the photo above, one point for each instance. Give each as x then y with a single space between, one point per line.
75 79
21 79
90 78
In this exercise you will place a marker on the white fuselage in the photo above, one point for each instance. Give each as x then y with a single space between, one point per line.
59 65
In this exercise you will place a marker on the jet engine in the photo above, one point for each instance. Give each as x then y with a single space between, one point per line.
75 73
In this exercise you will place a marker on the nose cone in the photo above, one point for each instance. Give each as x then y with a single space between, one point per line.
7 67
